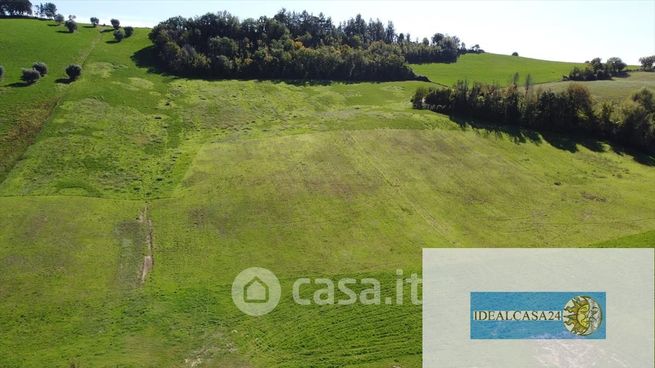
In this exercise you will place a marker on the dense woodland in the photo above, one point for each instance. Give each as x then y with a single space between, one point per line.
296 46
571 111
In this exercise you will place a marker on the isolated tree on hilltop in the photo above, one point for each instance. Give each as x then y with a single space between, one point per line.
129 31
59 19
95 21
116 23
71 25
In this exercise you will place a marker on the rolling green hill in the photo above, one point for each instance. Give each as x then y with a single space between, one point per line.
616 89
494 68
314 180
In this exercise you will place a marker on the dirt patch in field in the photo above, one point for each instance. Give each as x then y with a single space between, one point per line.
148 258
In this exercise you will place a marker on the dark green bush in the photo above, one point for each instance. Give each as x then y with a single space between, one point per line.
30 76
119 34
71 25
74 71
41 67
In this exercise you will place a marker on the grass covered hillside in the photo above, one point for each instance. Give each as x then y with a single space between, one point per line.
494 68
616 89
306 179
25 109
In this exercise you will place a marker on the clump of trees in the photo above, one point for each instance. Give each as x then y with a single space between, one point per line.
94 21
293 45
30 76
47 10
647 63
515 53
73 71
597 70
15 8
59 18
571 111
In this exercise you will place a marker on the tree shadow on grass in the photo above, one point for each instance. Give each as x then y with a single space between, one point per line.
304 82
566 142
640 157
19 84
64 81
112 41
146 58
517 134
63 31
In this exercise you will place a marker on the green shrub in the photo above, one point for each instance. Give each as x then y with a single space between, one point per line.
129 31
119 34
30 76
645 98
71 25
41 67
74 71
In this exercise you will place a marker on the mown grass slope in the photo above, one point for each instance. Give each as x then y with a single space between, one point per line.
617 89
318 180
494 68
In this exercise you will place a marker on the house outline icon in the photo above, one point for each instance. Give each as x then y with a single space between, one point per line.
255 291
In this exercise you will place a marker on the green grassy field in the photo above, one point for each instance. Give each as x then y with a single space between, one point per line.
39 42
494 68
616 89
306 180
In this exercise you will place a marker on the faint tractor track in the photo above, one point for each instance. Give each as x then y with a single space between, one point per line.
148 258
397 187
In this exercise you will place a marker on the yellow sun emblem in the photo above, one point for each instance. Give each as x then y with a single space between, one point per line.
582 315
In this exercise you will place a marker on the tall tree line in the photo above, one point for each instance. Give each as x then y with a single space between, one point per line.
631 123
